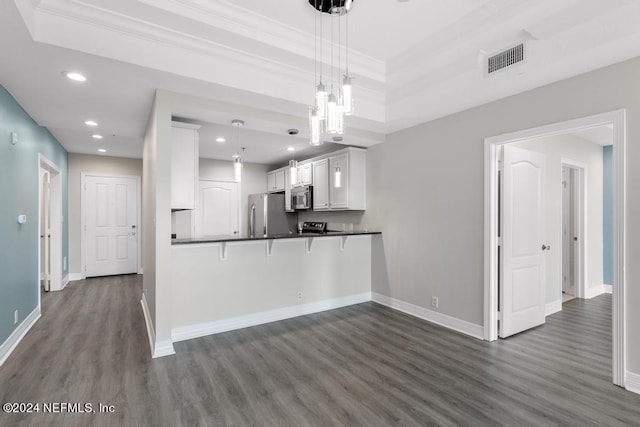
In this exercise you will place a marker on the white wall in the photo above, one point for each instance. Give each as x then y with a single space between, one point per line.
426 188
79 163
209 290
556 148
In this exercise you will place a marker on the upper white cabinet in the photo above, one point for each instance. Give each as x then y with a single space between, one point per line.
185 151
304 174
276 180
321 185
340 181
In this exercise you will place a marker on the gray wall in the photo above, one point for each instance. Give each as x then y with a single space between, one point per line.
79 163
427 193
19 280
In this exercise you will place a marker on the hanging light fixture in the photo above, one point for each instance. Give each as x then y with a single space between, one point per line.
327 113
237 159
337 177
293 172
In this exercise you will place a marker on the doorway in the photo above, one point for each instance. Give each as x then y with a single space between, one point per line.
574 234
50 261
110 215
218 209
614 119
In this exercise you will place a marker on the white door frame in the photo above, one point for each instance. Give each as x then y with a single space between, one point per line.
580 222
616 119
83 222
55 243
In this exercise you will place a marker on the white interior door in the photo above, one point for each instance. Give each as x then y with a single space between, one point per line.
217 212
522 292
111 220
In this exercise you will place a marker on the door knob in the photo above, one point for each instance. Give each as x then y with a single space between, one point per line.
546 247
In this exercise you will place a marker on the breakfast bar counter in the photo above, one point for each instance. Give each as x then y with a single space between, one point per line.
221 283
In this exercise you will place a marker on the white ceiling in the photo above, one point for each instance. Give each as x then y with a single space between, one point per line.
413 61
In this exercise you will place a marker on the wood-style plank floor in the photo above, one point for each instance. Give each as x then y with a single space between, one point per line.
364 365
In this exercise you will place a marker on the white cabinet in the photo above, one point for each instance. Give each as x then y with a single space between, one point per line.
304 174
339 181
185 151
321 185
275 180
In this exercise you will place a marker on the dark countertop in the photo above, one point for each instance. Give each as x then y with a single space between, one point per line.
214 239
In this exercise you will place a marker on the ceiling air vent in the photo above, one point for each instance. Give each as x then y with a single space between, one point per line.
505 58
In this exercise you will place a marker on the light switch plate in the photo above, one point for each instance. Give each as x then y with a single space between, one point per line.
22 219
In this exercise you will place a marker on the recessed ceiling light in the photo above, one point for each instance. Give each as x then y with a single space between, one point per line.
91 123
102 150
220 139
96 136
72 75
291 149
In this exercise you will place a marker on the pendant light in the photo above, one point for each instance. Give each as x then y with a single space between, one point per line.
237 162
293 172
327 113
337 177
315 126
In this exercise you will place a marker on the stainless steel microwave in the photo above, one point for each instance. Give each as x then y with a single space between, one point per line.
301 197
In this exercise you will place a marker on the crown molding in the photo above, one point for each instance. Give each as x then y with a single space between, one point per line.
273 72
244 22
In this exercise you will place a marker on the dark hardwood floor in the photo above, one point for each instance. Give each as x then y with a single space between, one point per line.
364 365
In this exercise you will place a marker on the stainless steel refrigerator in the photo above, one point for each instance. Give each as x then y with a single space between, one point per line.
267 216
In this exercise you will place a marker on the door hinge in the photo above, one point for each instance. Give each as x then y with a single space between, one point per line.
499 241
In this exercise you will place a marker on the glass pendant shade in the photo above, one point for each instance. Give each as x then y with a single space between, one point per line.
314 126
347 96
337 178
339 119
321 101
332 114
293 172
237 168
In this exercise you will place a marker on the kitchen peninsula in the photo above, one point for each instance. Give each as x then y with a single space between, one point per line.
221 284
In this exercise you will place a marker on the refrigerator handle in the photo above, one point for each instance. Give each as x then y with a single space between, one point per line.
264 231
252 221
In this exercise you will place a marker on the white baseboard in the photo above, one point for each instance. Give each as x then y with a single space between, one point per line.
203 329
608 289
632 382
14 339
553 307
595 291
76 276
456 324
65 281
160 348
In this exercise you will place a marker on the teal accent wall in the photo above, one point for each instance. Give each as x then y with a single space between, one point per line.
607 214
19 169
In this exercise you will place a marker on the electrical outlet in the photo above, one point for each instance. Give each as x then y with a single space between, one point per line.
434 302
15 317
299 296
